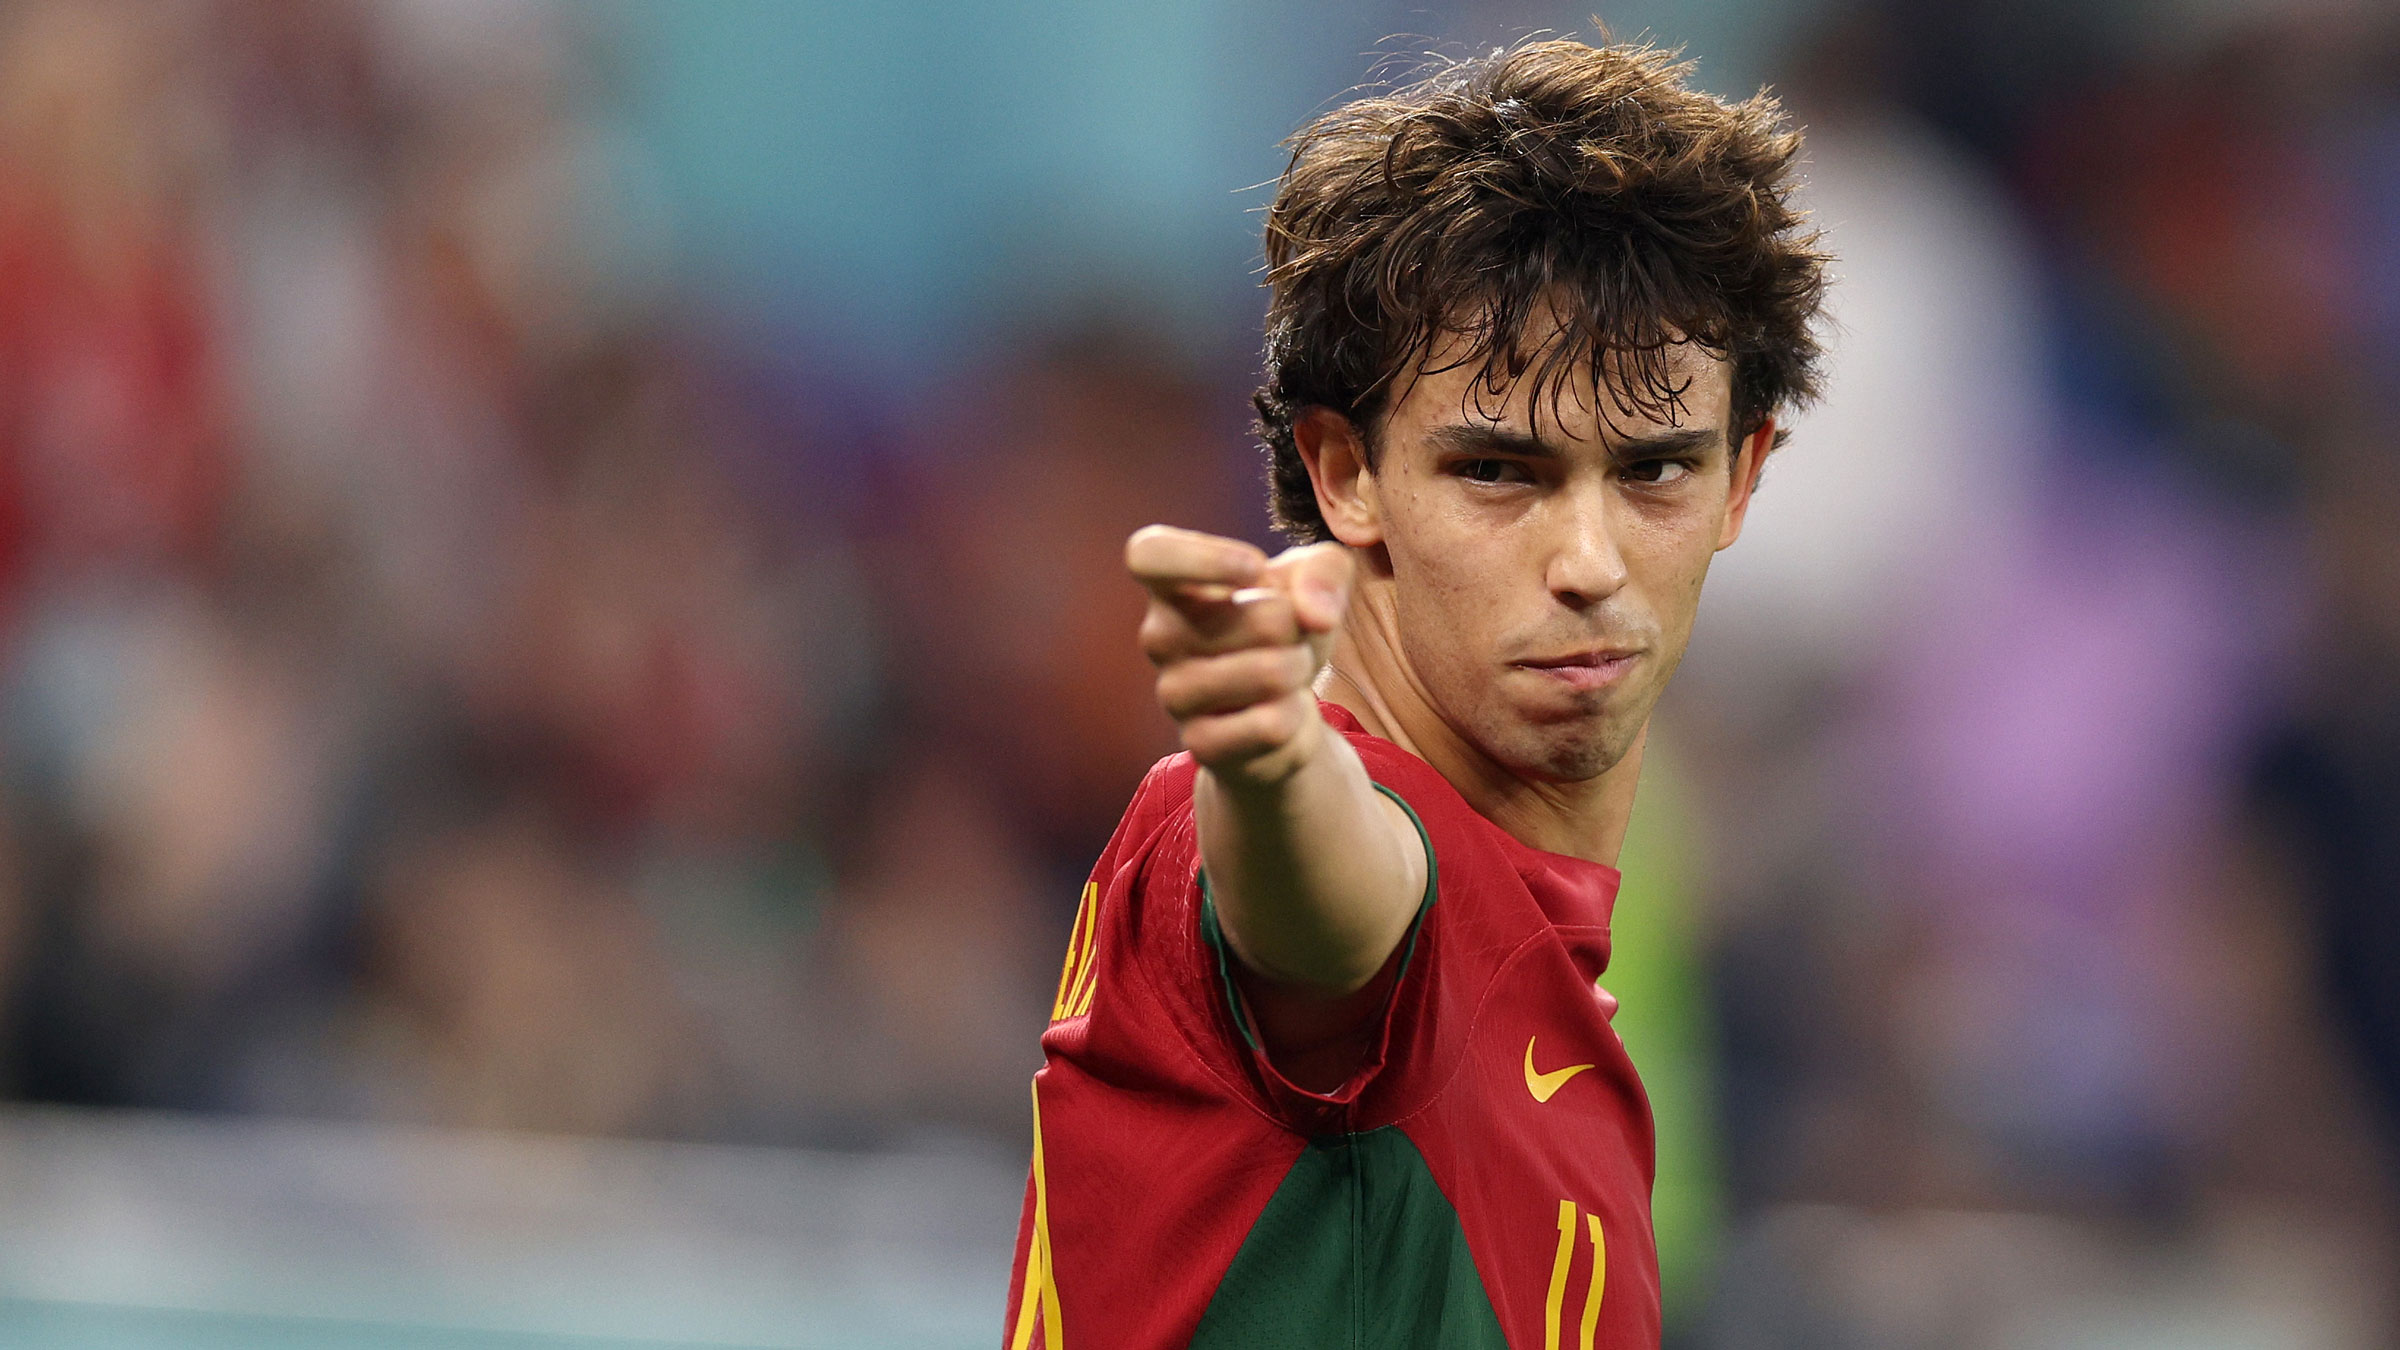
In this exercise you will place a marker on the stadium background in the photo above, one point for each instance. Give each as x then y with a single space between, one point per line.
562 658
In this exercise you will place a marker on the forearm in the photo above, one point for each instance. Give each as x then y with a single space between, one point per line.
1315 875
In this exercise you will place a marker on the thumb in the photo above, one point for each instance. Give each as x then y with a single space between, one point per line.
1317 577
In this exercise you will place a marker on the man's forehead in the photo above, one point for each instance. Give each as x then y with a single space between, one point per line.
1575 403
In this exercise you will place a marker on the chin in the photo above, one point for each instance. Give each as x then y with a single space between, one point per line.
1582 762
1571 752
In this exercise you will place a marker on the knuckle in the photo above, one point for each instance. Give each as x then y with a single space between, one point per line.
1152 635
1164 636
1176 693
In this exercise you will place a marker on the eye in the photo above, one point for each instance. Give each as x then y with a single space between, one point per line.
1656 472
1493 471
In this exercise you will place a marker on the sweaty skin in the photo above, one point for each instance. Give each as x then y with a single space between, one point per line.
1507 600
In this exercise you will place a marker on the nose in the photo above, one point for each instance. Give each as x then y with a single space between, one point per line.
1586 566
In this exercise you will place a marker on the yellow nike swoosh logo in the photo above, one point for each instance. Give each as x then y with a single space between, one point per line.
1544 1086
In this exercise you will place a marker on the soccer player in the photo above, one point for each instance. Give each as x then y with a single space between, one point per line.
1329 1064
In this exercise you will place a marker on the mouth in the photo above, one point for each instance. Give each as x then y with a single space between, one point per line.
1582 671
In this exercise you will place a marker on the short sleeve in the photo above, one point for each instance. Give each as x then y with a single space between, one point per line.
1306 1108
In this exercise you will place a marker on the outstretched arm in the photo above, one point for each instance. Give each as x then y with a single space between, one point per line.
1315 875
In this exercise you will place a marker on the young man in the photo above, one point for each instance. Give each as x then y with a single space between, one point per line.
1329 1064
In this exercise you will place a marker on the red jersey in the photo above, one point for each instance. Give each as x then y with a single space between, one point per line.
1481 1180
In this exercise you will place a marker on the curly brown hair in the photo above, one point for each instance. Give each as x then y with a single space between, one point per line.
1553 181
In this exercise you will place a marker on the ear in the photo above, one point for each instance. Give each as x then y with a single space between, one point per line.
1336 456
1748 463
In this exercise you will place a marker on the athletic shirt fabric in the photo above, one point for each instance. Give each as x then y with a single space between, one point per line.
1468 1186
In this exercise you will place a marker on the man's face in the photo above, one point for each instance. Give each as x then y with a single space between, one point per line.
1544 581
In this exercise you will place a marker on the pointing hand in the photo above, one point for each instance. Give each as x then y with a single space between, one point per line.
1238 639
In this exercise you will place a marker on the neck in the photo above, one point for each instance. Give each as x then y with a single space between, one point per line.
1370 676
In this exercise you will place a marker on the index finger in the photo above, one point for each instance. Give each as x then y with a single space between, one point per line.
1167 560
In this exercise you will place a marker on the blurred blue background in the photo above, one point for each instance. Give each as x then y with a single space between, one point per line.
563 659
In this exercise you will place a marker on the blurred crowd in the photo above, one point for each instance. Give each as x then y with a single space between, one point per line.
446 674
2056 797
443 682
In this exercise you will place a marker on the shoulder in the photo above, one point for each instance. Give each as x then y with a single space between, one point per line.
1451 826
1476 860
1166 787
1164 793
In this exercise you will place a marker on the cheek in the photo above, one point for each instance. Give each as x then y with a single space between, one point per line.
1474 562
1672 569
1455 578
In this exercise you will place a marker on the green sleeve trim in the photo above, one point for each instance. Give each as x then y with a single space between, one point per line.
1214 931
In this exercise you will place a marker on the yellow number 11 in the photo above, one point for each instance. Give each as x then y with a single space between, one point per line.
1560 1268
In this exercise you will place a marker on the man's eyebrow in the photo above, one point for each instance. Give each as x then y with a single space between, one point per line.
1680 441
1490 440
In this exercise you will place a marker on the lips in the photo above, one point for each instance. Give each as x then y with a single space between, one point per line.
1582 671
